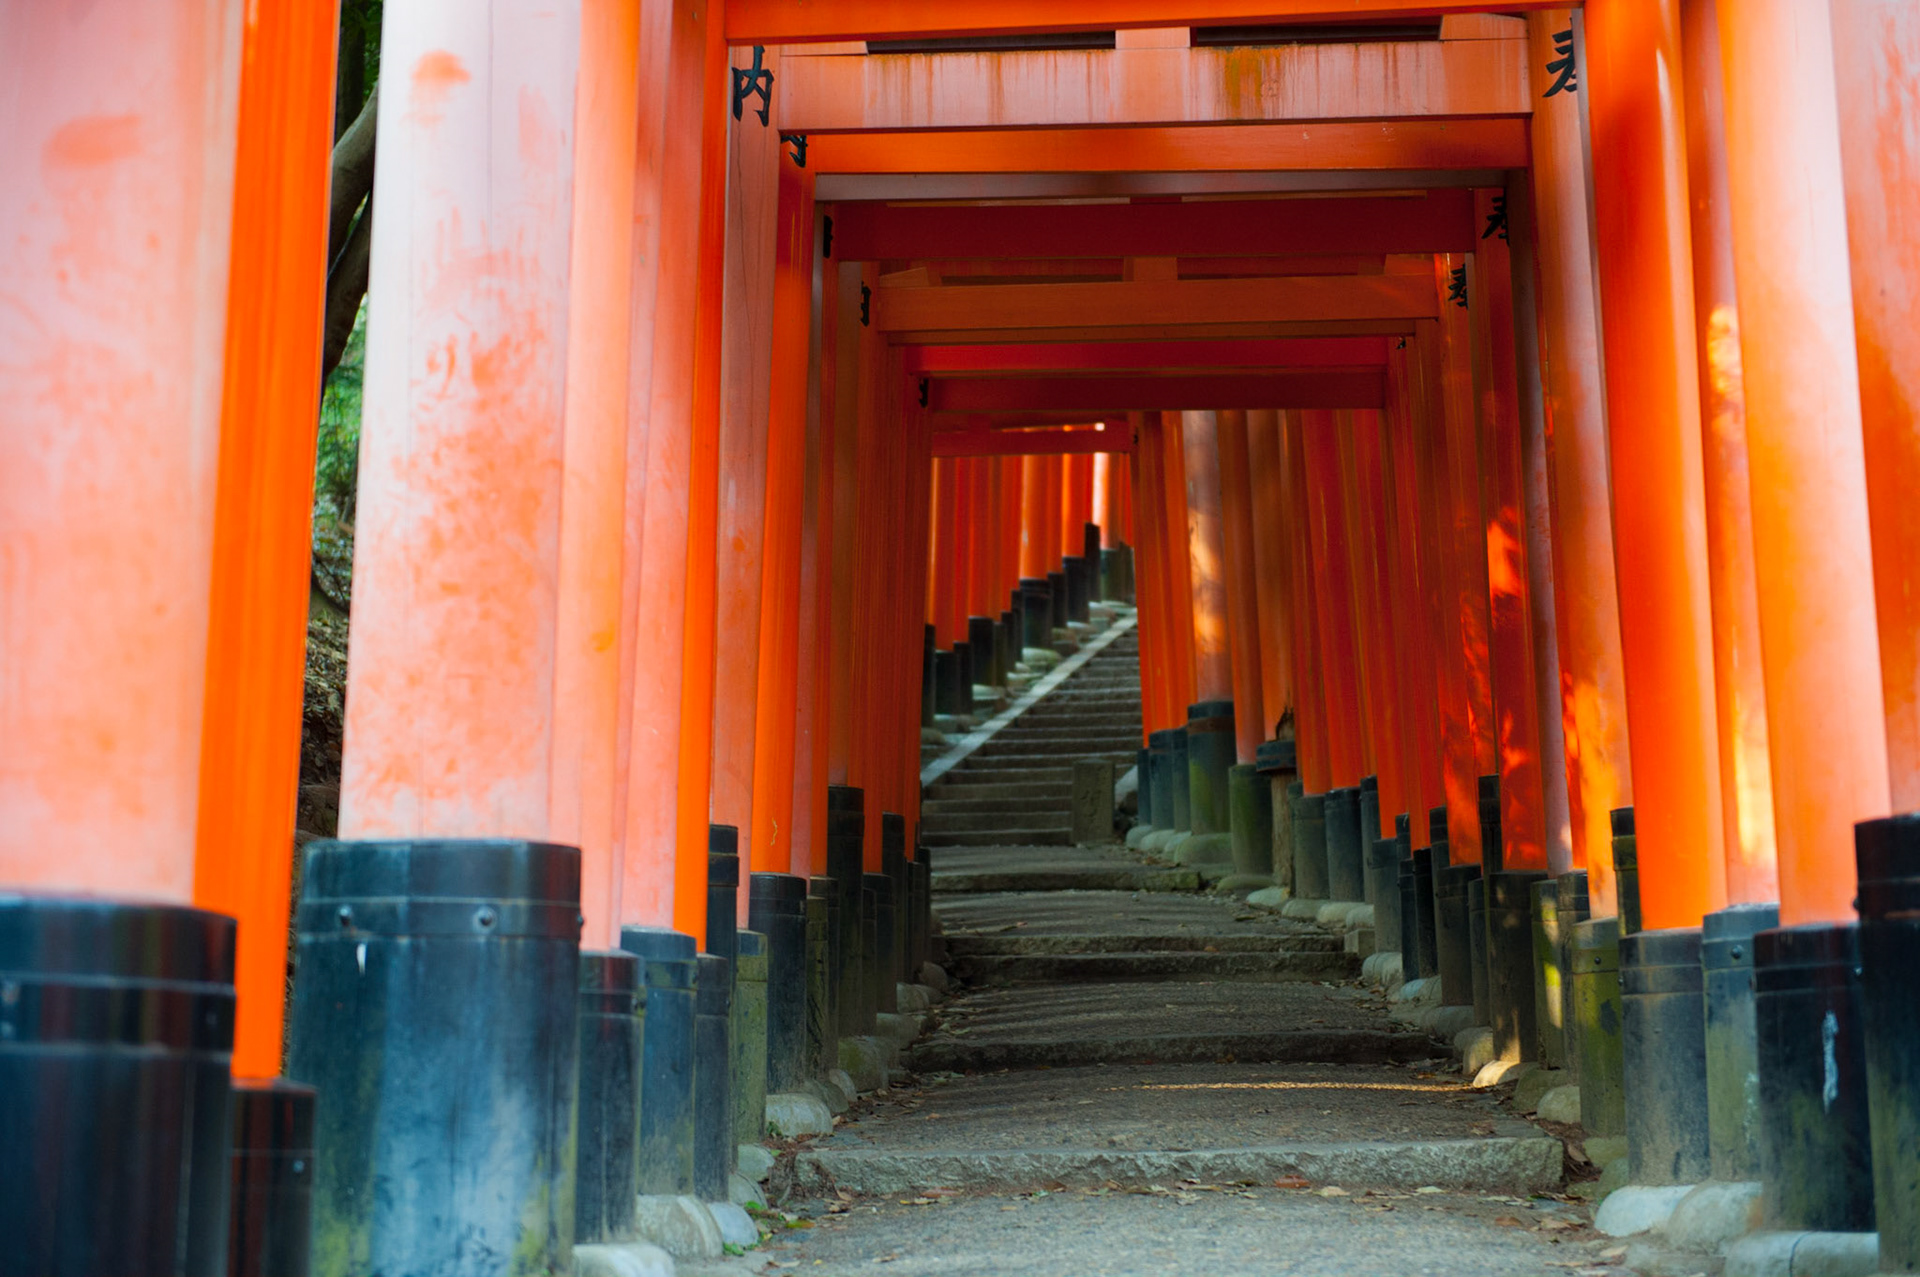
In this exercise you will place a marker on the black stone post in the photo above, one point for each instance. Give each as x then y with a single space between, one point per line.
612 1002
270 1221
670 973
846 845
1663 1045
777 909
1887 857
1733 1061
986 652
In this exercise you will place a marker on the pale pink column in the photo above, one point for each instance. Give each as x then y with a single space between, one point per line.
586 701
451 671
118 149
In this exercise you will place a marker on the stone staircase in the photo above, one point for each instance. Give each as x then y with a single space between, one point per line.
1016 789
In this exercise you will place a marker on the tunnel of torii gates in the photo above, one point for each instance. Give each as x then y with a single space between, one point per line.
716 351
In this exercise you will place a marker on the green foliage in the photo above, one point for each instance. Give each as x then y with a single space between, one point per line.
360 26
337 465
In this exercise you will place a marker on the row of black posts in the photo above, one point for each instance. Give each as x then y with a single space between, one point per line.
1738 1050
471 1092
1038 607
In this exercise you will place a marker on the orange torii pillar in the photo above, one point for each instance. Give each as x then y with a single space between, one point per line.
1467 561
1249 797
1593 706
945 564
1410 569
1876 46
1812 549
1210 737
448 789
755 158
1178 565
1271 564
659 885
262 527
978 595
1009 515
1740 693
1348 747
1519 804
115 218
1153 776
1371 545
1080 568
1315 732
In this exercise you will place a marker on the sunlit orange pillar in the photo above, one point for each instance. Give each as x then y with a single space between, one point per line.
1206 555
1740 692
980 594
249 766
1313 742
1271 564
751 228
1593 705
1241 580
1182 666
1076 507
456 601
1012 520
1812 549
1410 572
1876 48
1105 502
1505 534
1033 517
1333 598
657 887
784 537
1653 426
1053 484
119 149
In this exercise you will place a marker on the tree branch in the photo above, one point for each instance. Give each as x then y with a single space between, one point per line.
352 174
346 285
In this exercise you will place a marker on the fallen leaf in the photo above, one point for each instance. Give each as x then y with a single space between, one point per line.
1507 1221
1291 1181
1429 1188
1614 1252
1554 1225
1331 1190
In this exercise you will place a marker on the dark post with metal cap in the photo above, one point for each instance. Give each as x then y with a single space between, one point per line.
1663 1046
893 863
1346 874
1516 1032
1626 869
442 976
713 1078
1597 1013
670 972
1887 858
612 1002
1726 965
846 837
749 1082
270 1219
777 909
1310 846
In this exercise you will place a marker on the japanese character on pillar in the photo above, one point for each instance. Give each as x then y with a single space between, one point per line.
757 81
1566 75
1457 287
1497 219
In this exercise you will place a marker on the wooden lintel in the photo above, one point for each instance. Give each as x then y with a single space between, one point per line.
1290 388
974 442
1037 358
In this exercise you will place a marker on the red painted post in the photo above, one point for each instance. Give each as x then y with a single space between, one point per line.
1212 659
1272 564
1333 598
1310 709
1242 583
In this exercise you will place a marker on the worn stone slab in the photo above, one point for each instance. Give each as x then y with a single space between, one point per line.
1804 1254
1031 968
1139 878
1485 1165
622 1259
1092 801
1369 1046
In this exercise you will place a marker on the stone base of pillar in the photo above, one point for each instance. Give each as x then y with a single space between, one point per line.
1202 849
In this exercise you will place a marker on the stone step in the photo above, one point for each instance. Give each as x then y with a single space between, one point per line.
1025 837
949 789
1050 802
1041 878
996 773
1246 968
1341 1046
985 944
953 822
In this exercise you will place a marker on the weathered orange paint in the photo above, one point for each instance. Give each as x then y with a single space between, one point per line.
1876 47
855 345
1634 107
1271 567
1333 598
1360 556
943 551
1505 538
785 575
1209 148
1593 705
1373 545
456 566
1183 672
1288 83
249 766
1033 513
1812 548
1411 571
1241 579
1150 575
813 716
1740 692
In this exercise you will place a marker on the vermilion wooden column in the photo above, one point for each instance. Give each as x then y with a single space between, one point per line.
1105 505
586 708
857 346
1813 554
812 727
1333 598
249 765
1310 722
698 656
1358 563
1593 706
653 889
120 133
1503 502
943 554
1012 519
752 232
1410 569
789 467
1271 564
1156 680
982 597
1077 504
1740 692
1876 47
456 600
1206 555
1182 665
1653 427
1373 549
1033 516
1242 582
1053 484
